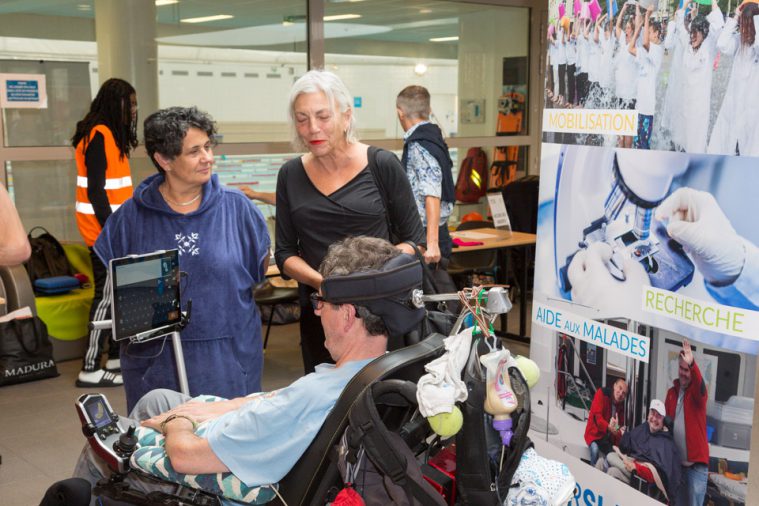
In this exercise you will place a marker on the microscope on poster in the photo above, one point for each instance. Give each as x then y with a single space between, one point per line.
627 223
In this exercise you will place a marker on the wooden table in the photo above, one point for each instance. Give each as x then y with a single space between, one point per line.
501 240
272 271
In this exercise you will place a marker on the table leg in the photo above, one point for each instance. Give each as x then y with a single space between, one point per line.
523 297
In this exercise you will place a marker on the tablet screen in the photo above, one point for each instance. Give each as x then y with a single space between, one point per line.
145 293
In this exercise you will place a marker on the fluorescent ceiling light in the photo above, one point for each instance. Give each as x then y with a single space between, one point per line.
339 17
444 39
426 23
159 3
205 19
420 69
266 35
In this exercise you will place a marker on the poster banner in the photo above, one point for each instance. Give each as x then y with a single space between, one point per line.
646 298
23 91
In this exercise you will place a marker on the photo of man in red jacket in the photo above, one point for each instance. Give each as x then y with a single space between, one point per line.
606 419
686 405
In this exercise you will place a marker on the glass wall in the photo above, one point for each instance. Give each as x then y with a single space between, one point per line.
238 62
472 58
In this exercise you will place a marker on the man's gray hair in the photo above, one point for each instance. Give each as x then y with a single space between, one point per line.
166 129
324 81
414 101
360 254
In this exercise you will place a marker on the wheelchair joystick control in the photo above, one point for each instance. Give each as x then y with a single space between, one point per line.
101 428
126 444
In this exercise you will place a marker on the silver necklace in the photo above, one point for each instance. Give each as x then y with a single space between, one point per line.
180 204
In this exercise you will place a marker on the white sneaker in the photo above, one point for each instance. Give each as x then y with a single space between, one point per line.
99 378
113 365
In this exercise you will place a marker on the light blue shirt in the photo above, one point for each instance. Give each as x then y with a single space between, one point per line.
262 441
426 177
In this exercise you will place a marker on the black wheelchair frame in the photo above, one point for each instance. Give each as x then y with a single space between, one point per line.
309 481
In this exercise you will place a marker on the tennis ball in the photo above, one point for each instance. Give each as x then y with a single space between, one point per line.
447 424
529 370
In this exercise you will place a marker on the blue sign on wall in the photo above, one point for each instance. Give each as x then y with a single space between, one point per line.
356 102
22 91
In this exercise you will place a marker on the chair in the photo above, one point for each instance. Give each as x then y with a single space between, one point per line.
521 200
273 298
18 288
471 262
309 480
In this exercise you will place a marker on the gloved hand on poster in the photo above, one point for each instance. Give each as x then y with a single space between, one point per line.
696 221
593 284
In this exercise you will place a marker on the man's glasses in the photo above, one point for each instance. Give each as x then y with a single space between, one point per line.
317 301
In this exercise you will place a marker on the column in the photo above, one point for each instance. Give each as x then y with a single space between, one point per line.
125 34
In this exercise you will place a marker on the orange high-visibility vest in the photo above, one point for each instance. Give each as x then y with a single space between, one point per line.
118 184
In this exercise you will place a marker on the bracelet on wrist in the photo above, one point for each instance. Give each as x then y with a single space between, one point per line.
174 417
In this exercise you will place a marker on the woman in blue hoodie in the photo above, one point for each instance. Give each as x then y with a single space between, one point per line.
223 245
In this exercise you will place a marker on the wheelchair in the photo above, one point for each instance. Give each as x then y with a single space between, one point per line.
316 475
309 481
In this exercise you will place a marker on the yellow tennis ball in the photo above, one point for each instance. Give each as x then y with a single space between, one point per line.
447 424
529 370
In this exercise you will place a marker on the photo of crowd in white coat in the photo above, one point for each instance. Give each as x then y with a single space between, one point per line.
689 70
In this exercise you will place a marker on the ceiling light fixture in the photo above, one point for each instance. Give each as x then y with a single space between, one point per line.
339 17
420 69
84 7
205 19
159 3
444 39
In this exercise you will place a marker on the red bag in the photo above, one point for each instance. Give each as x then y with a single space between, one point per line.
471 184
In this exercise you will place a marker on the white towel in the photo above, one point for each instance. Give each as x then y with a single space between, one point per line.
439 389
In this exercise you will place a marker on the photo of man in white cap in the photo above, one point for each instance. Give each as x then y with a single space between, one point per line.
649 451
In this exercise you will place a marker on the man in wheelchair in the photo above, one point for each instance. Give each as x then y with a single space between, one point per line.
365 296
649 451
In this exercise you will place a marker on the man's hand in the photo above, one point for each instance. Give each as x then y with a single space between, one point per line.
614 423
198 411
432 255
629 465
696 221
687 353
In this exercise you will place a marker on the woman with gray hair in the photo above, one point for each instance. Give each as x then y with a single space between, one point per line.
223 245
339 188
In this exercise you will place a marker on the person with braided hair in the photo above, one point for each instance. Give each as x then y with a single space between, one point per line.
103 141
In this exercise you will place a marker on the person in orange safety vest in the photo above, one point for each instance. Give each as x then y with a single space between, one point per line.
103 140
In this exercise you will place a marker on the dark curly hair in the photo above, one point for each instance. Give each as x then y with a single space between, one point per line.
112 108
166 129
746 24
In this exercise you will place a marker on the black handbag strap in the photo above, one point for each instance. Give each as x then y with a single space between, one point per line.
374 168
44 231
429 285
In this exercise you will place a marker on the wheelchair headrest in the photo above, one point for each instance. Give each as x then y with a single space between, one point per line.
386 292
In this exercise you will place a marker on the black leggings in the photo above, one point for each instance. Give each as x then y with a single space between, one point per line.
312 338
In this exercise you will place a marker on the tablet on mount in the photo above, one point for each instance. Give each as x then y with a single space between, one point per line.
145 302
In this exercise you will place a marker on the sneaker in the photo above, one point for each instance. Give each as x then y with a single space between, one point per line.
99 378
113 365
